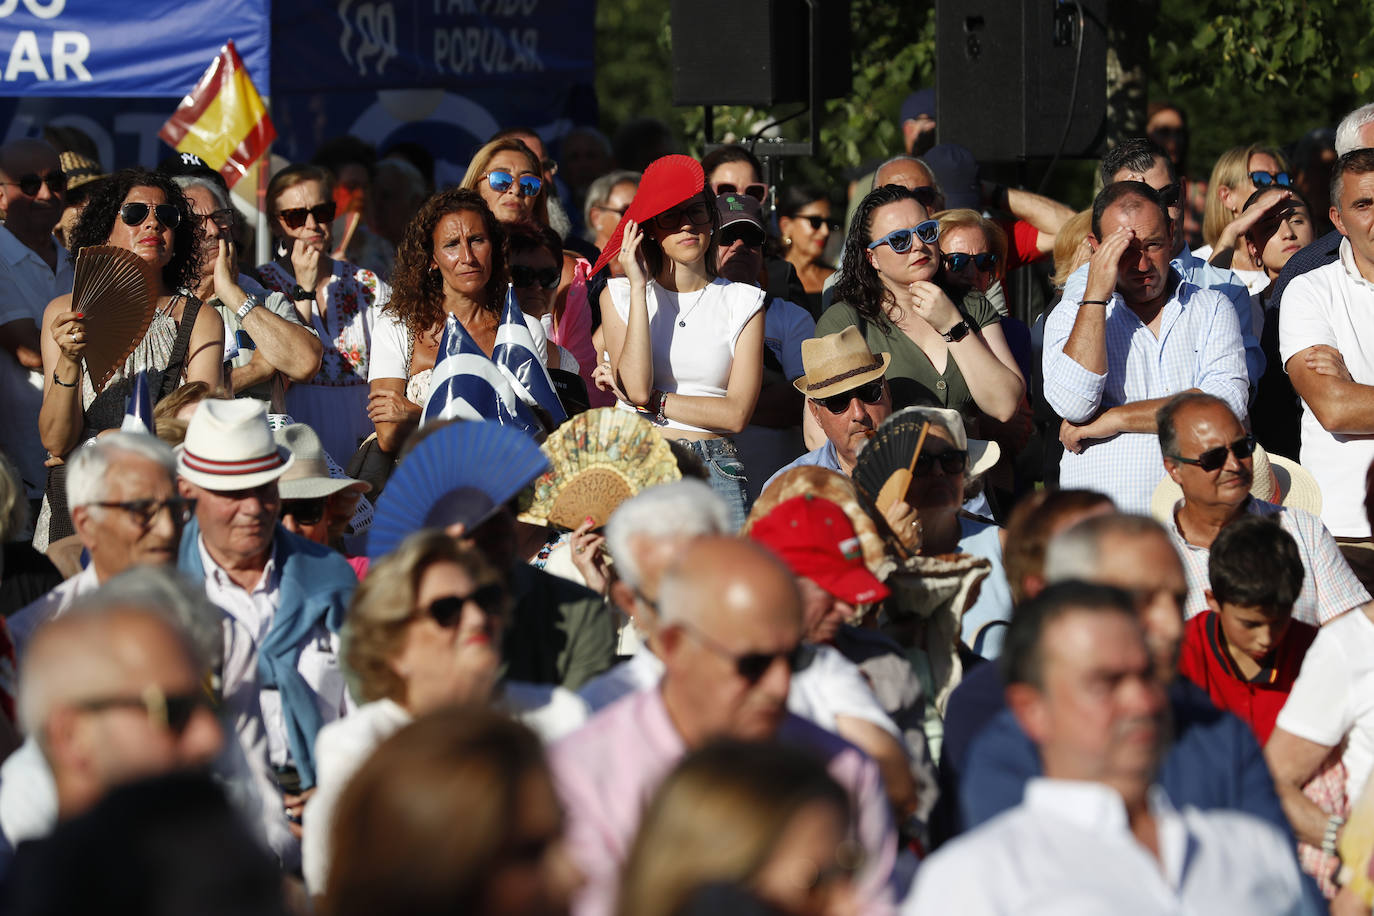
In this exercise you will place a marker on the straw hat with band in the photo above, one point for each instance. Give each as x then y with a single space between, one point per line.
1276 479
666 183
228 446
839 362
79 169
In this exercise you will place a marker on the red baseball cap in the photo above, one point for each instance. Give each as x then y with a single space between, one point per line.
666 183
816 540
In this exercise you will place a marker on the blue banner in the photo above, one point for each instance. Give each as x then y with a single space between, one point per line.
110 48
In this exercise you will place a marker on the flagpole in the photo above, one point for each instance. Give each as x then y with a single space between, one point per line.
264 235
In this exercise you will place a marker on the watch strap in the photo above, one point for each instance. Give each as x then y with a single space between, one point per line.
250 302
300 293
956 333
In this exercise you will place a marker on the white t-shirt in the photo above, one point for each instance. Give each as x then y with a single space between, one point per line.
1334 694
1334 305
692 335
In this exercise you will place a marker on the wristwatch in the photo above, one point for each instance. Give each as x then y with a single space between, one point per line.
250 302
300 293
956 333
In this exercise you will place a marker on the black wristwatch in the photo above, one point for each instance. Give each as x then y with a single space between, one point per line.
300 293
956 333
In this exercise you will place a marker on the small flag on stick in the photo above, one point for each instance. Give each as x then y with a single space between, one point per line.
223 121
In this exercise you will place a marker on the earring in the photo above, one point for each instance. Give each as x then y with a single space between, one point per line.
787 241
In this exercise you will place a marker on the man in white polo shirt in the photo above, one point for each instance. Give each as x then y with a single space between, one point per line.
1324 343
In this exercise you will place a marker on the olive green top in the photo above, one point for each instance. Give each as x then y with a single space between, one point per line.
911 375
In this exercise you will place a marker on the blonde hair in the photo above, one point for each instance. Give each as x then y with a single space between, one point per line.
477 170
1066 243
384 605
1232 170
167 426
993 234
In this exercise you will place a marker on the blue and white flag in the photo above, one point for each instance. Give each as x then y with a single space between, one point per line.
514 353
138 412
467 385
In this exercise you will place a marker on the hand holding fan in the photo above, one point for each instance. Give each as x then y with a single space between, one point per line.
117 292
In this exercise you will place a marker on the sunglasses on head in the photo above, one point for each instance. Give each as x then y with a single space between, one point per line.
818 221
1265 179
958 261
1214 458
1169 194
295 216
952 461
752 666
869 393
501 182
748 233
134 213
899 240
758 190
172 711
543 277
447 611
305 511
696 214
30 183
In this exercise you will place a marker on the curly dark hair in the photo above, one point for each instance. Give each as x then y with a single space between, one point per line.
417 295
98 220
859 284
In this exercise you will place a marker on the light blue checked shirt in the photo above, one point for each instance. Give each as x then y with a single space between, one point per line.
1199 346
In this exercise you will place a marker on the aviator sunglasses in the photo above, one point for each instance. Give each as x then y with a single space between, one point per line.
501 182
869 393
134 213
30 183
1214 458
958 261
295 216
1265 179
899 240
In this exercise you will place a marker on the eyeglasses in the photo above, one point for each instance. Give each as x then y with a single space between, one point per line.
696 214
869 393
958 261
134 213
1214 458
748 233
294 217
143 511
752 666
758 190
30 183
925 195
1265 179
447 611
224 219
169 711
952 462
543 277
899 240
305 511
1169 194
501 182
818 221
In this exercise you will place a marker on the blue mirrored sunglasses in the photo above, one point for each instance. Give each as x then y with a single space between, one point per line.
1265 179
501 182
899 240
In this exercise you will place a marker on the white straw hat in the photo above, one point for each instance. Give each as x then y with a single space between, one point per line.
229 447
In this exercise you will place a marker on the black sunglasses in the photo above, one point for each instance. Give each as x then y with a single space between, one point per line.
501 182
135 212
543 277
1265 179
143 511
952 461
294 217
30 183
748 233
447 611
818 221
305 511
869 393
1169 194
958 261
172 711
925 195
752 666
1214 458
696 214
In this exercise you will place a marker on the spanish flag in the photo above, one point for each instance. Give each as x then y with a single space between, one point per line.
223 120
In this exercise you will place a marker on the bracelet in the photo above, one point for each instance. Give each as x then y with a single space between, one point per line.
58 381
662 418
1333 828
1095 302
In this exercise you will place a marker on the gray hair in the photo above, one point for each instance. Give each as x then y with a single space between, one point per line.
600 189
88 468
683 509
1076 552
1348 133
934 179
221 196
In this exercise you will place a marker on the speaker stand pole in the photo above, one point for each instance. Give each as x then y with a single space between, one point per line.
708 125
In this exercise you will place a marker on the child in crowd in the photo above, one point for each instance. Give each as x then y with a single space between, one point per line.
1247 650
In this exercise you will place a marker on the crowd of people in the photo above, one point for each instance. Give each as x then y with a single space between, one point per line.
846 587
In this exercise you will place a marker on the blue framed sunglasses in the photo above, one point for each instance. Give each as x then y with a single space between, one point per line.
958 261
1265 179
500 182
899 240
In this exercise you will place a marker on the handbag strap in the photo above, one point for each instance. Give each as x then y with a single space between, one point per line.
176 365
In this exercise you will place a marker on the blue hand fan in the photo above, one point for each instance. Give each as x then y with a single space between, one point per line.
461 472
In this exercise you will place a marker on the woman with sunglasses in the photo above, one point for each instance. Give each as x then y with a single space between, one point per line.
685 347
946 345
146 213
423 633
1239 173
805 221
339 300
536 268
510 179
452 261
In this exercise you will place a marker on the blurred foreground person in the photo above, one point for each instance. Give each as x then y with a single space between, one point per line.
754 815
455 813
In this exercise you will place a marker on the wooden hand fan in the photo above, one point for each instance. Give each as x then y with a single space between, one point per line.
117 292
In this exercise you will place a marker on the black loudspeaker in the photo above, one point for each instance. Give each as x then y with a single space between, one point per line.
1005 73
756 52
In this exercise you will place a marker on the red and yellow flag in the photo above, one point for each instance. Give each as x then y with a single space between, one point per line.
223 120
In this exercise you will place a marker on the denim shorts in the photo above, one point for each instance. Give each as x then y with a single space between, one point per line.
726 474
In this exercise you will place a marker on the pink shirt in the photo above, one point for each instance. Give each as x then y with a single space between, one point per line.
608 770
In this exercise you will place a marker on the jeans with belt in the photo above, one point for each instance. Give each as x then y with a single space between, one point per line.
726 474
